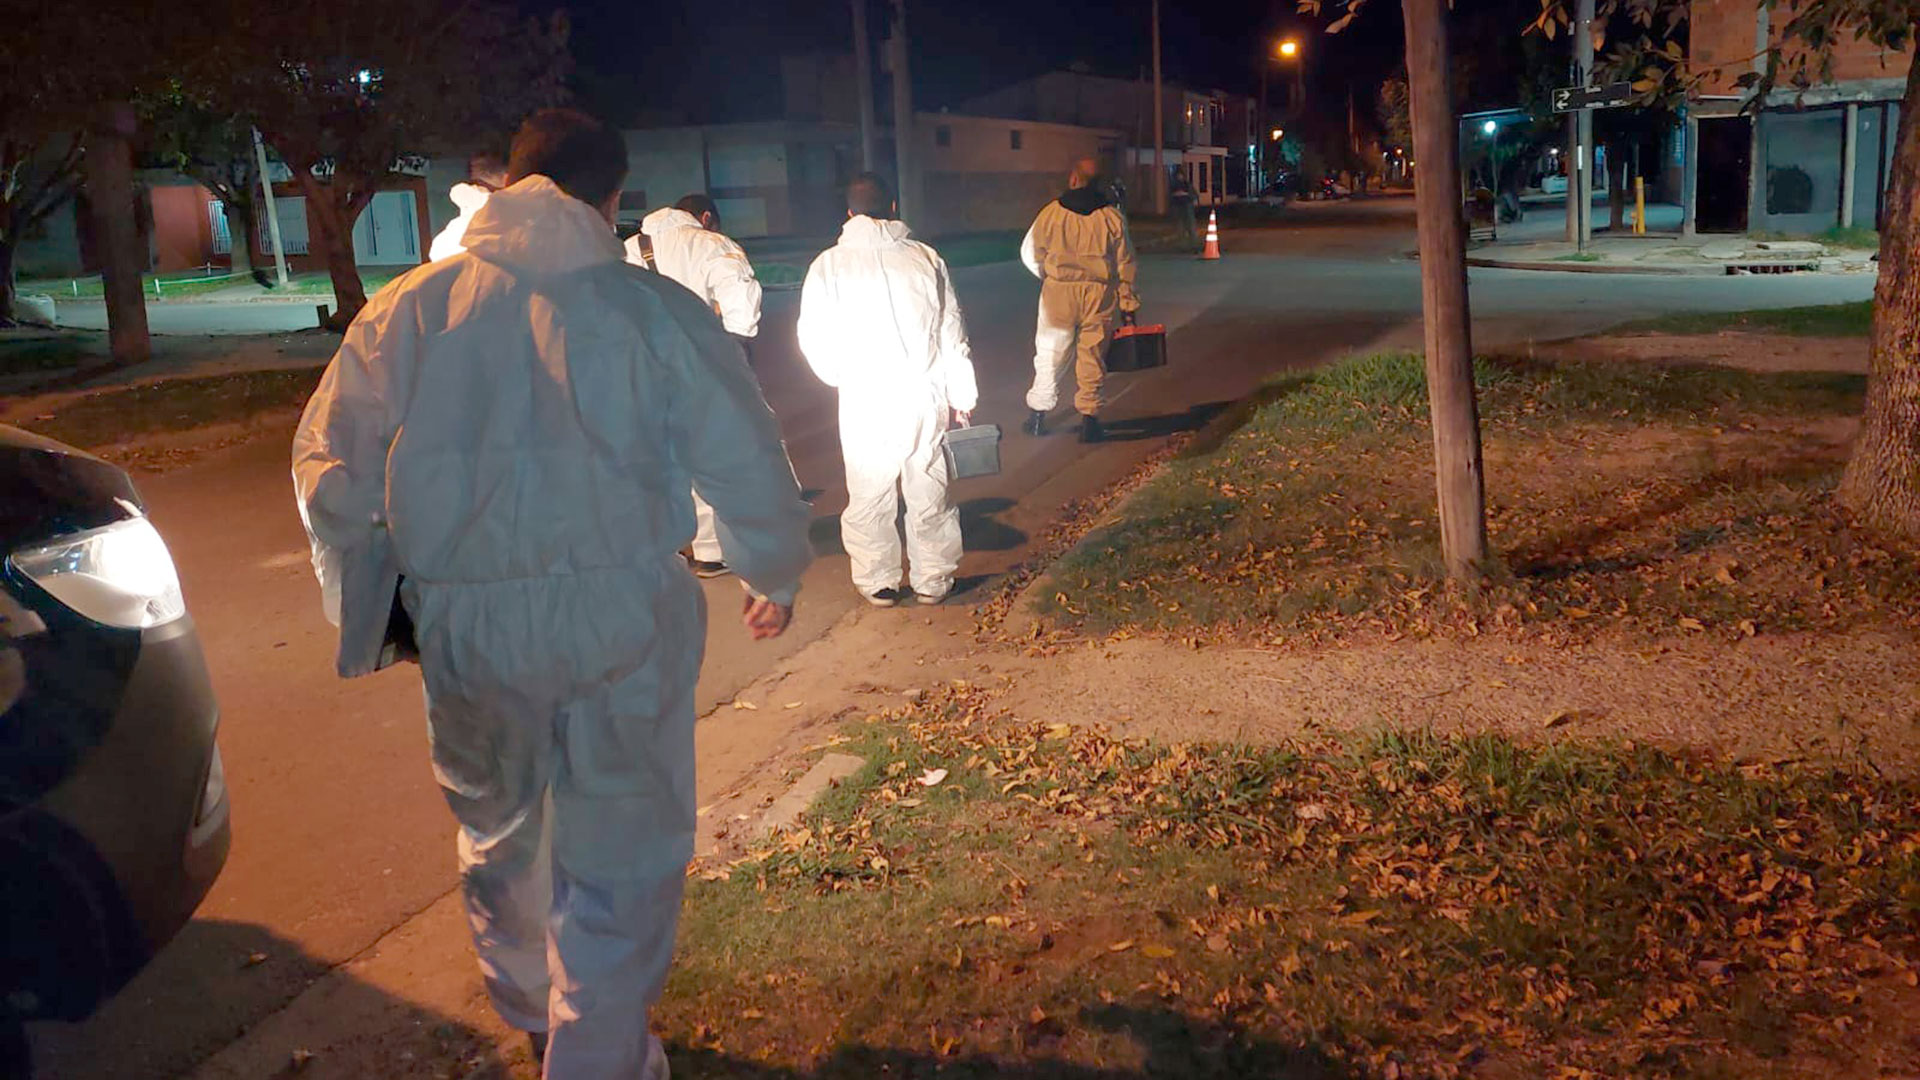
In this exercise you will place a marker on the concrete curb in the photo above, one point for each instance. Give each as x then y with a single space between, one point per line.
1596 268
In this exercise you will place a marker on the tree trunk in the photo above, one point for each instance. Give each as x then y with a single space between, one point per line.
1443 293
123 251
240 231
1882 482
330 217
7 288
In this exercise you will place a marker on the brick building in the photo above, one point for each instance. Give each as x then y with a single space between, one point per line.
1802 163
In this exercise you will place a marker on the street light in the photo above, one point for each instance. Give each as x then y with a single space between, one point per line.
1286 50
1278 134
1490 126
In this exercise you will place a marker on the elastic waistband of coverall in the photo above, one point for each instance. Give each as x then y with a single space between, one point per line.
658 568
1088 282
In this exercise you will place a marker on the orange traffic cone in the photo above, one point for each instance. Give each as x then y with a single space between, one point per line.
1212 250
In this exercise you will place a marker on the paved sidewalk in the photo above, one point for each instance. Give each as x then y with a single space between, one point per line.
1538 242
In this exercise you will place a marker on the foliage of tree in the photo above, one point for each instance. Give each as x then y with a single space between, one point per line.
1393 104
55 68
216 150
353 93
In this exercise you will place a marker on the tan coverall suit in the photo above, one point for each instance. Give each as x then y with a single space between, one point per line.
1079 249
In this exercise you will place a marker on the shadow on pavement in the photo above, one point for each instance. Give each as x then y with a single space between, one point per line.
982 532
1135 429
1169 1043
208 1008
977 526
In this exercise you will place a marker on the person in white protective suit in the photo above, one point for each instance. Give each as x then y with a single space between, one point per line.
683 242
879 322
1079 249
516 430
486 174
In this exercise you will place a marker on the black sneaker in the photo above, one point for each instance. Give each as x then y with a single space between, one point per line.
1090 430
887 597
703 569
1036 424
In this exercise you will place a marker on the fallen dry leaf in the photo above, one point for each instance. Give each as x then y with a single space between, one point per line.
932 777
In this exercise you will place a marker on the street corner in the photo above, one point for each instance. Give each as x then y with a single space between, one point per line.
1696 256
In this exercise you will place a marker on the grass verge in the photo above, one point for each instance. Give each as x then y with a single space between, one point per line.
1663 498
1060 903
1852 236
1825 320
107 417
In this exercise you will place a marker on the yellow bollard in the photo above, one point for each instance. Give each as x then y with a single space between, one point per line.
1640 205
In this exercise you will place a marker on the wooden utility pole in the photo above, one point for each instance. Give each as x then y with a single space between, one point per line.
902 113
863 82
1159 122
1443 292
116 234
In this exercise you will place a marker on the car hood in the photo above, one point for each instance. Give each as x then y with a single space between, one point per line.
48 489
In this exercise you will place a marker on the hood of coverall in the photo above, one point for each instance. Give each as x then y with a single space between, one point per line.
535 228
667 219
861 231
469 197
1085 200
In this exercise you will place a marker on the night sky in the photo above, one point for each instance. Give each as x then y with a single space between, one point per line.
699 60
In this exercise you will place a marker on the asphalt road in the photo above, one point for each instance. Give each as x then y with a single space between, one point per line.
340 835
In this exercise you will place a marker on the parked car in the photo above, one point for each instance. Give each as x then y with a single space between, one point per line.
113 802
1329 188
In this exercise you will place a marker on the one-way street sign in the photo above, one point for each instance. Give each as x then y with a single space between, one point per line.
1609 96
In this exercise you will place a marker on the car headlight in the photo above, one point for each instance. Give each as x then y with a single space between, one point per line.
120 574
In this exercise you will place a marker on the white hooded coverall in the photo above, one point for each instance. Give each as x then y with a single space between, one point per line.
469 198
879 322
714 268
524 422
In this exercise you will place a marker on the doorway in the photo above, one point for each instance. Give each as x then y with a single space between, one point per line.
1725 174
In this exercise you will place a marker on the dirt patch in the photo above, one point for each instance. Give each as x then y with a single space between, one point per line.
1745 350
1851 699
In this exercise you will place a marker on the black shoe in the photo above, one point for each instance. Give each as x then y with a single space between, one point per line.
1036 424
887 597
704 569
1090 430
538 1041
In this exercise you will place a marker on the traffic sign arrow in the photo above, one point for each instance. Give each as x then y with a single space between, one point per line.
1603 96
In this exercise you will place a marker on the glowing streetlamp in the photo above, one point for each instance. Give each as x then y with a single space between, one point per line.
1283 51
1490 127
1278 133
